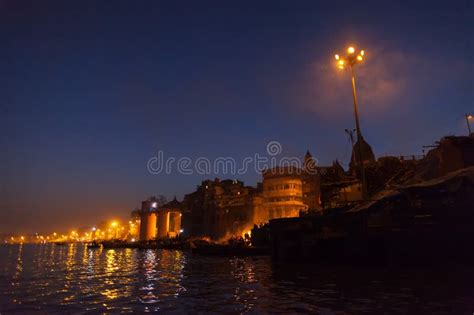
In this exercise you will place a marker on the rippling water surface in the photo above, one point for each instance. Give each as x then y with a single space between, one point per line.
74 279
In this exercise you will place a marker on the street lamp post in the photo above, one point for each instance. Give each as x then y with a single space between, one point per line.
351 60
469 116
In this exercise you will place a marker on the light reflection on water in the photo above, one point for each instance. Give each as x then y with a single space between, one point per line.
74 278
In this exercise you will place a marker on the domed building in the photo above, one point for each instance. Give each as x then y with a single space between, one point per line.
366 153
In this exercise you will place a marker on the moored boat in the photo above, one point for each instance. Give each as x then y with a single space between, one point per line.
212 249
93 244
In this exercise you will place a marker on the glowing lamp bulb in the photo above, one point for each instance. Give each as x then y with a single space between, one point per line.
359 58
336 56
341 64
469 117
362 52
351 50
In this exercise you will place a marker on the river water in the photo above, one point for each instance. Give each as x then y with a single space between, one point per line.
45 279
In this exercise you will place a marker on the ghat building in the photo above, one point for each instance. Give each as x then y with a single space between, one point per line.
282 193
159 220
223 208
220 209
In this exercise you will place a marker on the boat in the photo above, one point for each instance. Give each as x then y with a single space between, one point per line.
117 244
214 249
123 244
94 244
144 245
174 244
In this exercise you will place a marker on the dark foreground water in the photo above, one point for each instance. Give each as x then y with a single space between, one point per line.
73 279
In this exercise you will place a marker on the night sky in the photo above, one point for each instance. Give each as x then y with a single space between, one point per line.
90 90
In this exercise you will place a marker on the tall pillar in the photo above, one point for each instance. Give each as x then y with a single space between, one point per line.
147 225
177 223
174 226
163 223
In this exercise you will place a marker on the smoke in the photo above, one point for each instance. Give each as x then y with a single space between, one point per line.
388 80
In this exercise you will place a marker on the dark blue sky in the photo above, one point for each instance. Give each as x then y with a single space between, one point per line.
89 91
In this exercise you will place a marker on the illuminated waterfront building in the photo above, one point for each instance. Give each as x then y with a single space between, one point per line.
159 220
223 208
282 193
169 219
220 208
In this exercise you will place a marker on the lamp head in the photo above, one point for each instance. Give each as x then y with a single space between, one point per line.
351 58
